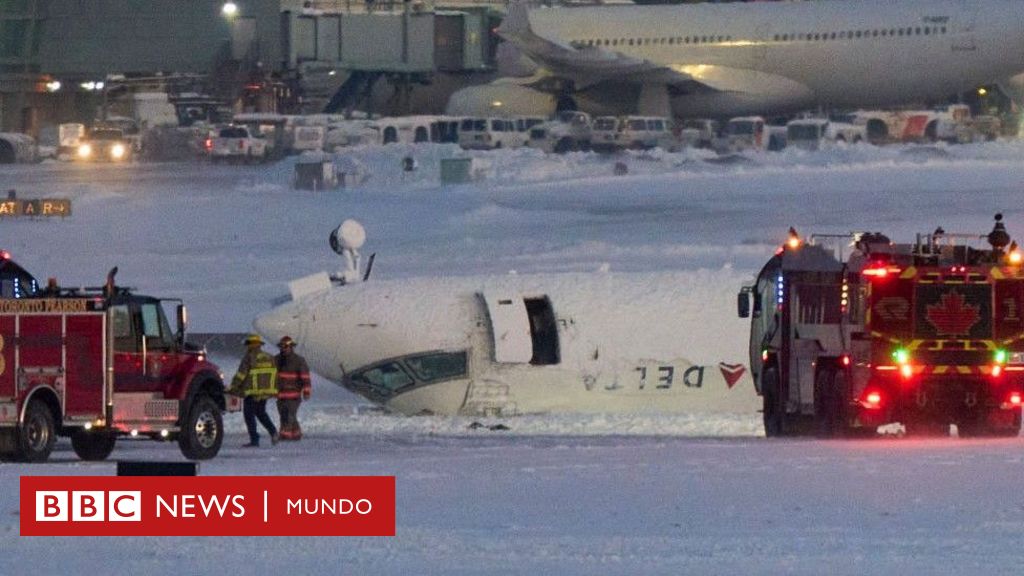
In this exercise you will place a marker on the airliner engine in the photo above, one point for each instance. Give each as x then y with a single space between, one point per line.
500 98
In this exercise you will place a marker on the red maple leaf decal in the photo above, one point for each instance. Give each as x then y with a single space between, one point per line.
951 317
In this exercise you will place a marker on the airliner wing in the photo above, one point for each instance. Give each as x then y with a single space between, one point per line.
585 66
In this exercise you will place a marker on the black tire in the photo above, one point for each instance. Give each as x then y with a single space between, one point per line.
8 439
564 145
980 429
772 406
826 417
93 446
202 429
37 434
927 428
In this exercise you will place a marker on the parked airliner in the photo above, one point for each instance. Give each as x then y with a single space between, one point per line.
729 59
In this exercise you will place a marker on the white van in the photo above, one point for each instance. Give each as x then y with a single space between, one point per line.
634 132
490 134
817 133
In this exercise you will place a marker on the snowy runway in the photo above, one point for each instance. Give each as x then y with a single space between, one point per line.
580 495
497 504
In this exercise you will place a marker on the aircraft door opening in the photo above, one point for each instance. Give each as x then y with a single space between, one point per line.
543 331
963 36
510 328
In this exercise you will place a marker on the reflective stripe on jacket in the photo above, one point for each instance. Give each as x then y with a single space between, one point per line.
292 376
257 375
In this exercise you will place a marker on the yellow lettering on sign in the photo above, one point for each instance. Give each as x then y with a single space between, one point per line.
9 208
53 305
30 208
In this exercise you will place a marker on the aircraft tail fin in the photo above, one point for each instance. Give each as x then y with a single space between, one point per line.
516 24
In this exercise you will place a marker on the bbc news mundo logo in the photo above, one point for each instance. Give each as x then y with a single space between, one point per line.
208 506
89 506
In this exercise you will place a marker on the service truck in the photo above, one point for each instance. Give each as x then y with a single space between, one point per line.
925 334
97 365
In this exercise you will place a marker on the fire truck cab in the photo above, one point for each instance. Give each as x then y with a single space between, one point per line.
98 364
926 334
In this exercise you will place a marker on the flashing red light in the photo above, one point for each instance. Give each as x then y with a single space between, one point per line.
997 370
1015 398
906 370
5 255
880 270
845 359
208 144
872 400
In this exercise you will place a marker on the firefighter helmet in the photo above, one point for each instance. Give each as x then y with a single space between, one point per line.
253 340
286 342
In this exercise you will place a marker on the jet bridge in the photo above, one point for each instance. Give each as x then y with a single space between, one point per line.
408 44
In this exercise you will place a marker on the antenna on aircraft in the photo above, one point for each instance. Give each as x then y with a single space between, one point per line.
346 240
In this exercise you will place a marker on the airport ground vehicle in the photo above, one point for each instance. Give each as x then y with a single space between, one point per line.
105 144
699 132
751 133
490 134
96 365
238 143
632 132
568 131
814 133
927 334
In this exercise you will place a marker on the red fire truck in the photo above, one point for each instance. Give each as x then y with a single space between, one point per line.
926 334
96 364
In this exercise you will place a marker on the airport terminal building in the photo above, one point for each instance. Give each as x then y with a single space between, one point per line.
66 60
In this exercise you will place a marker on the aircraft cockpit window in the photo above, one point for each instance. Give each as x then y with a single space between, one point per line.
388 377
439 366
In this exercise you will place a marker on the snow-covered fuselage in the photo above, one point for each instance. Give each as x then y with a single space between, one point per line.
524 344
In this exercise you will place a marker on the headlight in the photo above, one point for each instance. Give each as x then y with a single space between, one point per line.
84 151
117 151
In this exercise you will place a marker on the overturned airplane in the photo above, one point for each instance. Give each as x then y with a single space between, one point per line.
521 344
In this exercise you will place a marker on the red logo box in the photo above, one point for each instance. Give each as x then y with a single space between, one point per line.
208 506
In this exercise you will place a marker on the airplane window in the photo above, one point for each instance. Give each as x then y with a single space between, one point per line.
776 38
874 33
927 30
671 40
943 29
900 32
389 377
917 31
440 366
892 32
720 38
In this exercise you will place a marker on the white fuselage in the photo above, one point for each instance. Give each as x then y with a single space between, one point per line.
610 343
773 56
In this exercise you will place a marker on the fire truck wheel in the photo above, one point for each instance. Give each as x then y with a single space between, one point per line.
93 446
826 417
202 432
979 429
36 434
772 410
923 428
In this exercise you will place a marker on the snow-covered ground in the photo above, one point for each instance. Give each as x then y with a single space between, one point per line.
552 495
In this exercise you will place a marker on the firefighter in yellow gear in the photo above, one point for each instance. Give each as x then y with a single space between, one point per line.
256 381
293 386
